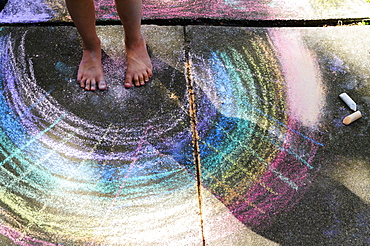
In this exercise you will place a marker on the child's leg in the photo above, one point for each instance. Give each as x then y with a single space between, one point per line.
139 66
90 72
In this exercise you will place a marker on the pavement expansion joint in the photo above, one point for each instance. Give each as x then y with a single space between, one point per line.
213 22
195 136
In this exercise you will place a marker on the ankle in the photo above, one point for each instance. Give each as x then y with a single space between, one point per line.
133 42
92 45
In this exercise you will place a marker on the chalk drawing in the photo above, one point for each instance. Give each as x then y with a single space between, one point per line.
70 180
251 138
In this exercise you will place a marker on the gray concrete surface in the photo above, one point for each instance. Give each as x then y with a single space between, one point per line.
236 140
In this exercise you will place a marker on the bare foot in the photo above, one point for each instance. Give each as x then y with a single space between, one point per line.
90 73
139 65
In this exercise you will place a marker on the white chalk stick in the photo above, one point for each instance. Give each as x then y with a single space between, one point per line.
347 100
352 117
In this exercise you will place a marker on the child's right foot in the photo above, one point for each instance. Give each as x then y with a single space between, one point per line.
90 72
139 65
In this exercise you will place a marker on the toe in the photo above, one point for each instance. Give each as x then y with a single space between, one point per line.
79 77
136 81
102 85
128 85
128 82
149 72
83 83
141 80
93 85
87 85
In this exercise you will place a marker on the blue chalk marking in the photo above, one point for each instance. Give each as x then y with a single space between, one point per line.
222 77
23 176
253 152
38 101
274 142
282 124
32 140
216 61
28 110
63 68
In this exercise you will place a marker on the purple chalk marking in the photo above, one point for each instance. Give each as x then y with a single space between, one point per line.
26 11
9 157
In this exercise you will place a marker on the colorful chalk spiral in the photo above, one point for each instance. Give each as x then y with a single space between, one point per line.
257 157
70 178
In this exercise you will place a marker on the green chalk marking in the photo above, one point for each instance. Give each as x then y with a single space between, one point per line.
32 140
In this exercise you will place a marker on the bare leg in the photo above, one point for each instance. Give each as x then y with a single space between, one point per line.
90 72
139 66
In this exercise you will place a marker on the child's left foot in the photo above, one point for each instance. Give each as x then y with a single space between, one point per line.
139 65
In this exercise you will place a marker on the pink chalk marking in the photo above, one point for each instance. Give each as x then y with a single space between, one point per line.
302 74
131 167
20 239
284 196
166 9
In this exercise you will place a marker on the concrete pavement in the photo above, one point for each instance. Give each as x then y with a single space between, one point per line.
237 139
